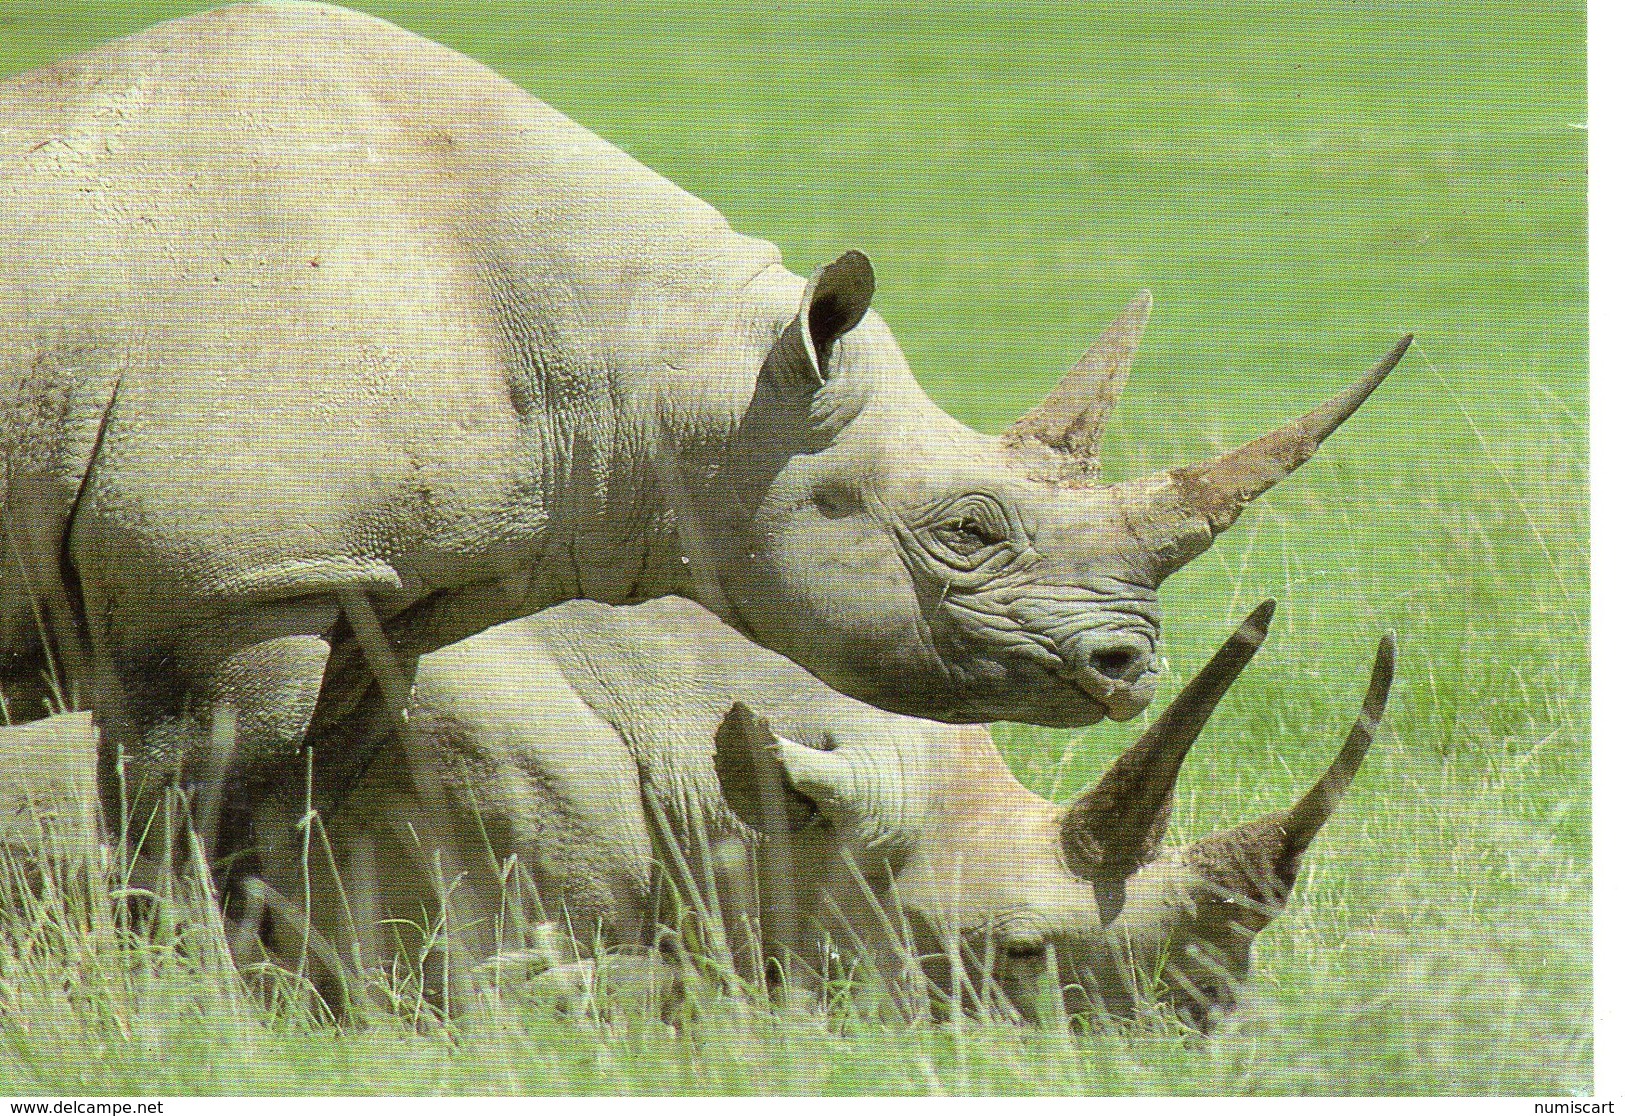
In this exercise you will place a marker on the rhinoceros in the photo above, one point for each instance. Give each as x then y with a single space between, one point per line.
50 827
312 329
577 768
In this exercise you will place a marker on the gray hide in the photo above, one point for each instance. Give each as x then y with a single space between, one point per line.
50 829
550 764
303 316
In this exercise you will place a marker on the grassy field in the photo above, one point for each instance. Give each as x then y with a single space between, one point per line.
1298 186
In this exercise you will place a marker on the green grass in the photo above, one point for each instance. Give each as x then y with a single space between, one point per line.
1298 186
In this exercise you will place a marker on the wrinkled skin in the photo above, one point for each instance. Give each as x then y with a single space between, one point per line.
977 592
532 740
305 319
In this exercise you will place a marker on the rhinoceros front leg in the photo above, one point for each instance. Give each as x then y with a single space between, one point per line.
217 708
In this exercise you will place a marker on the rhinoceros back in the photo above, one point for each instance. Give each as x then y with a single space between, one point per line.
664 673
359 296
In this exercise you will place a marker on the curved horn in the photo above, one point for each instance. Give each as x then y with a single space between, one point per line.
1310 812
1072 416
1112 829
1259 861
1178 512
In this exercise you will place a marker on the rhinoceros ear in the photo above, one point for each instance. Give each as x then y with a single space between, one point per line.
836 298
756 780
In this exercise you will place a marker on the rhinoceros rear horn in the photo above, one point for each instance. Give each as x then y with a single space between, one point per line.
1071 418
1115 827
1178 512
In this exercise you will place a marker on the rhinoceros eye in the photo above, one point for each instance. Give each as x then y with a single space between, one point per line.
966 531
965 535
969 525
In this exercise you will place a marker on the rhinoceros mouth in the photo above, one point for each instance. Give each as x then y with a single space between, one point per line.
1047 698
1118 700
1062 705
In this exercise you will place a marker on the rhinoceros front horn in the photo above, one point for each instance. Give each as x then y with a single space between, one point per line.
1259 861
1178 512
1309 813
1115 827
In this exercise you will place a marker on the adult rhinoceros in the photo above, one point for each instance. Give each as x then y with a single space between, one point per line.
560 771
302 313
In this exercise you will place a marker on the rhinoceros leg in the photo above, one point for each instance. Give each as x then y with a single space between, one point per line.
41 645
218 708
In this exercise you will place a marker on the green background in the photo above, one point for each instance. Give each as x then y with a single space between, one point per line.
1298 185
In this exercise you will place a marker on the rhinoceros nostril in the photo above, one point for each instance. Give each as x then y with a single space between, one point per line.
1121 663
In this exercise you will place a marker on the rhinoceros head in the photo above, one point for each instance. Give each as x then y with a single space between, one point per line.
1082 899
931 570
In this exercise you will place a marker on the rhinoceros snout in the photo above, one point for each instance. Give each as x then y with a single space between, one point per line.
1116 670
1121 662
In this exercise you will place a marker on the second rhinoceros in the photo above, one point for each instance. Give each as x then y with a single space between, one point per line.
304 317
580 768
